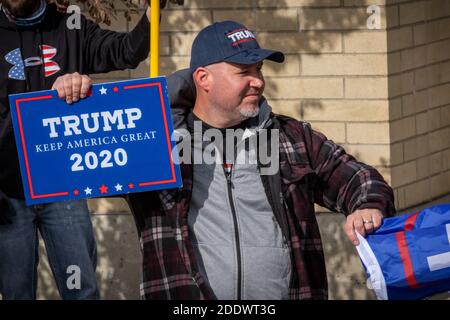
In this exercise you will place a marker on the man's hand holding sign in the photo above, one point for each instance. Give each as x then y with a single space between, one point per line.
72 86
114 142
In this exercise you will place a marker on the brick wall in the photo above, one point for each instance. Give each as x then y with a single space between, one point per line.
419 90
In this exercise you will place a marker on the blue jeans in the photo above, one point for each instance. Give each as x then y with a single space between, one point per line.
69 239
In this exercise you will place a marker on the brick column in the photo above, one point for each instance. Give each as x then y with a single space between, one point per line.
419 95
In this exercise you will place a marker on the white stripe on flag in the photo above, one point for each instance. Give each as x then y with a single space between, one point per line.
49 51
51 68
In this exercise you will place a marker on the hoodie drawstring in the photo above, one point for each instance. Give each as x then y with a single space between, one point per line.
41 54
27 78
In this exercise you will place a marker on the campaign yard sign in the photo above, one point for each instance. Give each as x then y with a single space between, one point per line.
115 141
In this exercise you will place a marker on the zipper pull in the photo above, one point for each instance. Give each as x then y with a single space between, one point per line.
228 169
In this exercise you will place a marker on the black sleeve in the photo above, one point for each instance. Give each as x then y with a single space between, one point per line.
105 50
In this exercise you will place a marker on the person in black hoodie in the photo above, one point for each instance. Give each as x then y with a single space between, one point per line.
39 51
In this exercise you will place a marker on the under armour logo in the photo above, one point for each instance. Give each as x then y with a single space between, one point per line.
17 72
50 67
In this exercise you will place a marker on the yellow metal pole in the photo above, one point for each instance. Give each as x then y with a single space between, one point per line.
154 38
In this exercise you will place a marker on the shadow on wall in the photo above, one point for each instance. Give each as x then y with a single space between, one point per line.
291 30
346 277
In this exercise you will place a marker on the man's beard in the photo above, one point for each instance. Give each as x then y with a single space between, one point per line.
249 113
21 8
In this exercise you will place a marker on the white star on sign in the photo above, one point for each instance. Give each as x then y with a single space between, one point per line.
88 191
118 187
103 90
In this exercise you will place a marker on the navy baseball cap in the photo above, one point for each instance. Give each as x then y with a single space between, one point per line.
228 41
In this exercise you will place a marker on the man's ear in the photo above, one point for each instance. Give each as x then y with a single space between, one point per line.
202 78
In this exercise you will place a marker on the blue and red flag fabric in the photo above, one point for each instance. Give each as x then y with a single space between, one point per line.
408 257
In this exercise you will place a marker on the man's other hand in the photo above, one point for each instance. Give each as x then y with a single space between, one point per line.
364 221
72 86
